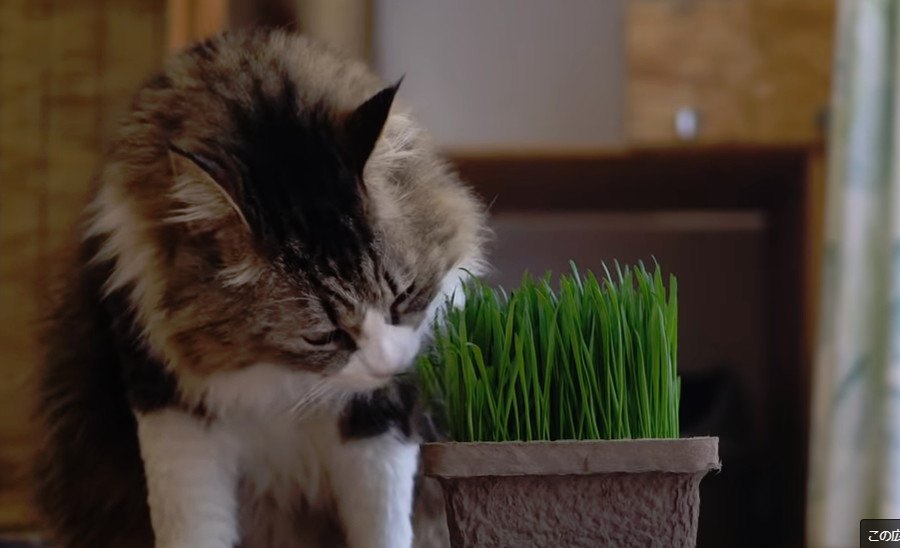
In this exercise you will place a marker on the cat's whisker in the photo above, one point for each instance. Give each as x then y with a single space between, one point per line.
338 388
315 395
299 409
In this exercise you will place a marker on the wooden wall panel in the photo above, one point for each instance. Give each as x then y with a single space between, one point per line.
68 68
22 212
192 20
758 71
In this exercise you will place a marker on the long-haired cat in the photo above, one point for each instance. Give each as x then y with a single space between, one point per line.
266 248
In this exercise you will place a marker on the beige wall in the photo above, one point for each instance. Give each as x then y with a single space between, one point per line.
507 73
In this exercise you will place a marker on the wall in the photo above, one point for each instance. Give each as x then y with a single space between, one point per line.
507 73
580 73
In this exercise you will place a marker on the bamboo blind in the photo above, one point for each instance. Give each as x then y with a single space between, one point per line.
67 70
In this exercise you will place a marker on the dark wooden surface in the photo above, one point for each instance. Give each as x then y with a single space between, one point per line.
710 177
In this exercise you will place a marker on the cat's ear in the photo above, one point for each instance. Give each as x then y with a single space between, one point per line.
201 188
362 127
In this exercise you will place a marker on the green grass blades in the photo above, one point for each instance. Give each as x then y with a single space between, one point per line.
594 359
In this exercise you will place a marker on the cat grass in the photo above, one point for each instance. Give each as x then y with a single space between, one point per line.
595 358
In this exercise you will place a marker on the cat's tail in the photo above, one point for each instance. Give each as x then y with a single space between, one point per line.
88 476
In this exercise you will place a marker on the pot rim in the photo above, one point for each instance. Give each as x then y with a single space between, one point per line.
570 457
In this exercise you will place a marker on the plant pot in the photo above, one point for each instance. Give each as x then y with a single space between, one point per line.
572 493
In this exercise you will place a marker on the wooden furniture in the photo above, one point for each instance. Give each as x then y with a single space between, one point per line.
755 71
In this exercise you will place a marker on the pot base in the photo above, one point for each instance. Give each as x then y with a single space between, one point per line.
640 493
641 510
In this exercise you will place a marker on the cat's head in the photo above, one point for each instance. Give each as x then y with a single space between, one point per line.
274 217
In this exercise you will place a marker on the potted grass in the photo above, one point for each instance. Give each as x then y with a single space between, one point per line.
563 410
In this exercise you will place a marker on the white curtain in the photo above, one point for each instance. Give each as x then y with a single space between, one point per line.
855 445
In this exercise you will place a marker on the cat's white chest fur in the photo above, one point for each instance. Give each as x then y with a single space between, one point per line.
284 478
245 477
284 460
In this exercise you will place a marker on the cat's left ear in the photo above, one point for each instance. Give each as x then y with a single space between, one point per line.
362 127
203 187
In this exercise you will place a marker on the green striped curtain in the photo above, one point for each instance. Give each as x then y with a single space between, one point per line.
855 444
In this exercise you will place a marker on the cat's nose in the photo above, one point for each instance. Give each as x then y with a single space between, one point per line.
386 349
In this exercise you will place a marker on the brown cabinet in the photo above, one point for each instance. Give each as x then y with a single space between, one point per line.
753 71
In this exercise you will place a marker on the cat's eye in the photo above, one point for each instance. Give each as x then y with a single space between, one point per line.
338 338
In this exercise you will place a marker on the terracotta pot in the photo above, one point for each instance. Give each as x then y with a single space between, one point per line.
638 493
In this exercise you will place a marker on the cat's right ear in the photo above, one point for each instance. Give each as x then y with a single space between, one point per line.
199 187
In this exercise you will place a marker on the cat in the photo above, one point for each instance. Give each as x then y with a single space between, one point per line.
267 246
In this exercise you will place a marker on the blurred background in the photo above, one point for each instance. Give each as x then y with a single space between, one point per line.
748 145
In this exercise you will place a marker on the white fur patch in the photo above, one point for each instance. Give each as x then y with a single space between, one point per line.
114 219
194 470
262 391
383 351
191 481
373 481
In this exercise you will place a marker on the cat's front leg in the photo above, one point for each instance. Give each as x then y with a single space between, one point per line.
373 479
191 472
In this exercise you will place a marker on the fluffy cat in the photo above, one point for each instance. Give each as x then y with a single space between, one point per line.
267 245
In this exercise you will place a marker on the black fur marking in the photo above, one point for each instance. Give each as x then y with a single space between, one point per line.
398 302
330 311
293 169
296 186
413 300
334 296
389 408
148 385
392 284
